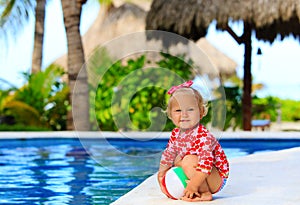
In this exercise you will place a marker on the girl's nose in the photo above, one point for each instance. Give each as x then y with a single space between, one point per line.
184 113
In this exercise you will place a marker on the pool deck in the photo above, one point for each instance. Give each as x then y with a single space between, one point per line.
258 179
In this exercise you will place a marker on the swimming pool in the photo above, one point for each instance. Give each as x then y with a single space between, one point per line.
62 171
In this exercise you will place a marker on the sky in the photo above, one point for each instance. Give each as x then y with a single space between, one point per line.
277 68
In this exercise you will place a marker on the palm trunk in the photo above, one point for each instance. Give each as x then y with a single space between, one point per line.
37 55
247 89
78 117
247 100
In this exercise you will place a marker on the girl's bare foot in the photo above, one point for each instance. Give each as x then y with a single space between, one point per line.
205 196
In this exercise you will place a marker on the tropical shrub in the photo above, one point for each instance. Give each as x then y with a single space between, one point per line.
19 127
289 109
263 107
233 107
286 109
126 97
41 102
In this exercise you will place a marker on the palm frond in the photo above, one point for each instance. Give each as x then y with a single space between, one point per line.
22 112
14 15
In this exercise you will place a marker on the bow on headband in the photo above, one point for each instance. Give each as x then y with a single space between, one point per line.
174 88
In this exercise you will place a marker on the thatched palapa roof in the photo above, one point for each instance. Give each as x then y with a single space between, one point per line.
109 25
191 18
267 17
129 18
221 61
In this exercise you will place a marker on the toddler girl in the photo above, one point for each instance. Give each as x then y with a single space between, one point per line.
192 147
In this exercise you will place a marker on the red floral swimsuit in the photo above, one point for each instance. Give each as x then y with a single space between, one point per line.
200 142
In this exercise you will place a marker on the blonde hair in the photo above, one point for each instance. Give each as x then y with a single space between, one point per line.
189 91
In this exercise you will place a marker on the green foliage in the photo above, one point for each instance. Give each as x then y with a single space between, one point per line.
233 107
40 87
132 96
176 64
14 15
208 118
261 108
23 113
56 114
3 98
42 102
290 110
19 127
265 107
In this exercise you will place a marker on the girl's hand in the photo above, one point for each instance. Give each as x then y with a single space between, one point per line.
160 176
191 190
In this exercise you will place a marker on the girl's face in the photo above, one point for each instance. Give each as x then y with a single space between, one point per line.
184 111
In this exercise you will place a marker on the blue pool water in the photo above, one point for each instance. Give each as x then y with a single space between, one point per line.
70 171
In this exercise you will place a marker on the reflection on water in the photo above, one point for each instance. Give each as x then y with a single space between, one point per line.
59 173
67 171
128 158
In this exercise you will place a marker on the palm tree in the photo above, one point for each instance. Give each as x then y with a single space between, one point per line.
77 73
37 55
15 14
18 11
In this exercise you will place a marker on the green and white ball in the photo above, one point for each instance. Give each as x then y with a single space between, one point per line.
174 182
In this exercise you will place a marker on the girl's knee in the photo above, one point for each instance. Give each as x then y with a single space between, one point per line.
189 163
214 180
190 160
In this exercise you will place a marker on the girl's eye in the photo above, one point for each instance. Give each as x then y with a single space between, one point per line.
178 110
191 109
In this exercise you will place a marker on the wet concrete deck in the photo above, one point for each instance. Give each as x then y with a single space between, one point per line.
264 178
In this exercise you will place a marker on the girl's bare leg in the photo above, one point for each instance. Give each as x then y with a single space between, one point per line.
211 183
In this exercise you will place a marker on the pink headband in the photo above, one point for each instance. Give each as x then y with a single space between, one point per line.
174 88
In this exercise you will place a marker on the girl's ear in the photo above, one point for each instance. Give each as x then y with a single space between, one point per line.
202 110
169 116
